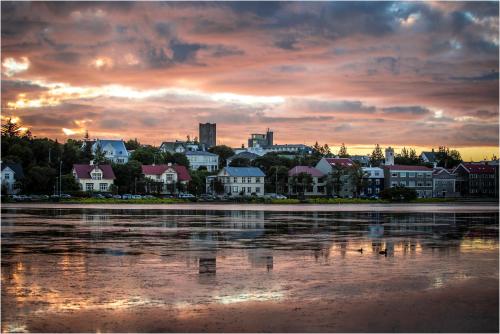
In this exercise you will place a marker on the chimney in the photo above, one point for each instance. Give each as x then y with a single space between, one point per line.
169 164
92 162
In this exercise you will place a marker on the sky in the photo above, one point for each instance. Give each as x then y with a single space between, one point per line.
360 73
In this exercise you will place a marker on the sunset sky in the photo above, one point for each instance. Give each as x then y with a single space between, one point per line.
393 73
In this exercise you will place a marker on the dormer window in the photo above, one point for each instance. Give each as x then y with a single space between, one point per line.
96 176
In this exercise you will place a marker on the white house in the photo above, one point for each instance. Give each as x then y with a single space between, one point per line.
94 177
179 146
114 150
166 177
241 181
11 173
199 159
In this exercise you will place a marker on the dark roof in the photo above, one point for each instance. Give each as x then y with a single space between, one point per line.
205 153
431 156
182 172
344 162
83 171
305 169
476 168
16 168
408 167
246 155
244 171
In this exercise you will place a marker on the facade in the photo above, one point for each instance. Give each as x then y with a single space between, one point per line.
373 181
241 181
340 173
94 177
11 173
414 177
208 135
179 146
316 188
284 148
476 179
444 183
389 156
165 179
114 150
260 139
199 159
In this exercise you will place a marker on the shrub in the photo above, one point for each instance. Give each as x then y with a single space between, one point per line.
398 194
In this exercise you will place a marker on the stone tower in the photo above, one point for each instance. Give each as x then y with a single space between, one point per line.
389 156
208 135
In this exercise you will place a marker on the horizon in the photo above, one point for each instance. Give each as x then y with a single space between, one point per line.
401 74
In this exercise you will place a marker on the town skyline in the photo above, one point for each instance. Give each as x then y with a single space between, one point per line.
418 75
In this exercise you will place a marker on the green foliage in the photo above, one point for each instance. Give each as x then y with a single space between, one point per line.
448 158
11 129
218 186
301 183
197 185
132 144
99 156
399 194
127 176
321 151
407 157
343 152
69 184
240 162
179 159
39 180
377 157
147 155
224 152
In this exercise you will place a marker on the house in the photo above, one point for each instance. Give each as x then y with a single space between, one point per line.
373 181
94 177
317 187
11 173
362 160
240 181
243 155
199 159
444 183
429 157
476 179
179 146
166 179
114 150
341 176
414 177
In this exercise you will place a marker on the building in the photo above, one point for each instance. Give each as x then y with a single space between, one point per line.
11 173
373 181
362 160
242 155
444 183
414 177
114 150
241 181
429 157
316 188
260 139
208 135
476 179
202 159
94 177
165 179
341 176
389 156
179 146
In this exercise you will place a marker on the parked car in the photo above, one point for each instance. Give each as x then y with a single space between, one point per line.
281 196
99 196
186 195
148 196
65 196
126 196
136 197
117 196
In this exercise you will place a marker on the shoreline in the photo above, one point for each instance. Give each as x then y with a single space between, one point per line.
360 207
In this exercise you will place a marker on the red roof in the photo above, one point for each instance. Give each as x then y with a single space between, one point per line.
182 172
408 167
479 168
83 171
344 162
305 169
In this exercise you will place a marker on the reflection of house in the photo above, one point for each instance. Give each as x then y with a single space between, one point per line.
413 177
164 179
239 181
476 179
114 150
373 181
340 172
11 173
94 177
443 183
315 188
198 159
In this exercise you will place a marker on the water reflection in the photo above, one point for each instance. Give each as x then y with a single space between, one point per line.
65 259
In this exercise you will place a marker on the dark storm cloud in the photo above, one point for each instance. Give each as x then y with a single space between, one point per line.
413 110
183 52
485 114
287 43
483 77
64 57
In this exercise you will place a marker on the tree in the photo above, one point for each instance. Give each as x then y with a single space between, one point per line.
218 186
358 179
11 129
197 185
147 155
240 162
127 175
407 157
399 194
99 156
277 179
69 184
377 157
343 152
39 180
180 159
224 152
87 148
301 183
447 158
132 144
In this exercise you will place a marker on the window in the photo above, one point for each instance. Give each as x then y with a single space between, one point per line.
170 177
428 184
411 174
419 175
369 190
394 174
103 186
7 176
402 183
249 190
257 179
402 174
377 173
249 180
235 189
393 184
120 160
420 184
377 182
89 186
377 190
235 179
411 183
96 176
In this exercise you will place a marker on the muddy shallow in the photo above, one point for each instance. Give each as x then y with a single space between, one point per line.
118 269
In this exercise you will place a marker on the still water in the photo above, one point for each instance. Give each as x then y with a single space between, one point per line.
58 261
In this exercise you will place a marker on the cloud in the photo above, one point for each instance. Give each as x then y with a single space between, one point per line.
413 110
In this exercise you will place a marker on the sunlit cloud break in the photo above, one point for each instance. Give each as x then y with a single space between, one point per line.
12 66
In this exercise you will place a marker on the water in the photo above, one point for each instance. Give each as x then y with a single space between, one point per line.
62 261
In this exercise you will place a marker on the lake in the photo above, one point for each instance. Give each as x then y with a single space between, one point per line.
267 268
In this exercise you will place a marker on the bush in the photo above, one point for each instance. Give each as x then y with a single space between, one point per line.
398 194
